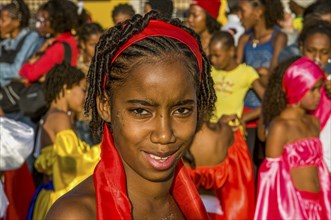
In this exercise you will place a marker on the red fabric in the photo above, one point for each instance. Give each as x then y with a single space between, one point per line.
156 28
110 185
232 180
253 123
210 6
53 55
19 189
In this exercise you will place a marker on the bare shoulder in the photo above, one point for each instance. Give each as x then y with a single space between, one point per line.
79 203
280 38
58 121
277 137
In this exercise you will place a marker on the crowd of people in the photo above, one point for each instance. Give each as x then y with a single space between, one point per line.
166 118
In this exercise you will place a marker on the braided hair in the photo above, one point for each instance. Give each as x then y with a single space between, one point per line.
18 10
274 101
151 48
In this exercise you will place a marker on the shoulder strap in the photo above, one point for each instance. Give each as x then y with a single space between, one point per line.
21 42
67 53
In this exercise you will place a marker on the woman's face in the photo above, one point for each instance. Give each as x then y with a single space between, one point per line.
43 24
76 96
318 48
312 98
7 24
88 46
154 118
197 19
248 16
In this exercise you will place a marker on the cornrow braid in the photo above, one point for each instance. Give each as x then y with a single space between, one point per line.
18 9
274 101
151 49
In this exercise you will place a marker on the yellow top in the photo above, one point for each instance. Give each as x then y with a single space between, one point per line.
69 160
231 88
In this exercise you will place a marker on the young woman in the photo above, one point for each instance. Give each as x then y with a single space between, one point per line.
64 160
150 88
202 18
55 20
259 48
294 181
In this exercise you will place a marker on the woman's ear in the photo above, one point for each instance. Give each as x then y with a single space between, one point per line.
103 108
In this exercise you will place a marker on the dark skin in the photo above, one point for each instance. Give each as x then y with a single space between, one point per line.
295 124
146 120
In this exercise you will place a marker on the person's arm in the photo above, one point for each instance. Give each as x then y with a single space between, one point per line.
251 115
279 43
10 70
52 56
258 88
240 48
276 139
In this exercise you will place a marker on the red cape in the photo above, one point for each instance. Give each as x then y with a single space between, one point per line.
110 185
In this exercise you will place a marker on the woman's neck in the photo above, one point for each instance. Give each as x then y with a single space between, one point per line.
59 105
260 29
205 37
151 192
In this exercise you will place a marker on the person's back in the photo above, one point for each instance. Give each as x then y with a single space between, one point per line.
294 160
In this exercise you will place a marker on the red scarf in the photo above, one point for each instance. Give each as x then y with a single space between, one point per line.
110 185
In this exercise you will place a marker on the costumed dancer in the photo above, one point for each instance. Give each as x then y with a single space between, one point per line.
150 88
65 160
293 180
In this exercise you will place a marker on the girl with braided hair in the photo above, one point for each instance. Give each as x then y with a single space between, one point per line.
149 91
294 181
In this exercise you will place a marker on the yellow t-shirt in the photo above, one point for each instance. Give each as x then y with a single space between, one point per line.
231 88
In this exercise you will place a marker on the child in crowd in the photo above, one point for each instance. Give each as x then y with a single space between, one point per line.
150 88
294 181
232 80
65 160
88 36
202 18
122 12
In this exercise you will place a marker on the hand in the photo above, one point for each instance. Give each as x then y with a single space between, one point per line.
33 59
46 44
233 121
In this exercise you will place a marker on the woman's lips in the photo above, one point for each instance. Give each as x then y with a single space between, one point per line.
160 163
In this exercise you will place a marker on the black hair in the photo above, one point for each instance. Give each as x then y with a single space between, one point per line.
151 48
274 100
87 29
273 11
57 77
316 10
164 7
312 27
123 9
212 24
18 10
62 15
223 36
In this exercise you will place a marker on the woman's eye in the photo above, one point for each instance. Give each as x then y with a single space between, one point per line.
183 111
139 112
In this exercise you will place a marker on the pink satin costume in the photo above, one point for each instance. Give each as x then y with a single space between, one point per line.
277 196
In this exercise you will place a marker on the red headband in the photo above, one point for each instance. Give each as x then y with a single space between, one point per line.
156 28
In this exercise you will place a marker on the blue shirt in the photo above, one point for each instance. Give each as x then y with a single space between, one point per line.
9 71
